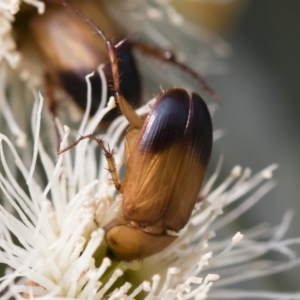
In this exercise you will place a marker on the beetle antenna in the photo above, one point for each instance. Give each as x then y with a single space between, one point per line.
93 25
120 43
84 17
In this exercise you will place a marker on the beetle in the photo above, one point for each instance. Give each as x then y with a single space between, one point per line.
165 168
70 51
167 155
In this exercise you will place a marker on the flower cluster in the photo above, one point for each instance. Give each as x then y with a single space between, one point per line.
54 207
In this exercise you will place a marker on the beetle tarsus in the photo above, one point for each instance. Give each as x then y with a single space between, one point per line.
107 153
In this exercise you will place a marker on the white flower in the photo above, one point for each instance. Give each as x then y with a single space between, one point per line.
61 252
51 237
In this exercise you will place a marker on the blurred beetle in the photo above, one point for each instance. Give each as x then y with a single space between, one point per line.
70 51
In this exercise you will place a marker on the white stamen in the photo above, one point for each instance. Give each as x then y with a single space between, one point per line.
36 133
111 102
237 238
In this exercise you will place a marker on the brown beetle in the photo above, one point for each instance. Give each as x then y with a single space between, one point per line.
165 169
167 156
70 51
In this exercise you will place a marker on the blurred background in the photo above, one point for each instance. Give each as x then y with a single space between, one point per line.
260 110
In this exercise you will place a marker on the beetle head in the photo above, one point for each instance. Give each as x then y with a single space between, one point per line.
130 243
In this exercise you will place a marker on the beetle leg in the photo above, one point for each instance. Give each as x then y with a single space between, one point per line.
107 153
49 91
111 167
170 57
127 110
52 104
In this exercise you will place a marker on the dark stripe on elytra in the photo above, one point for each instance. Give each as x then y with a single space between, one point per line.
201 125
168 123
